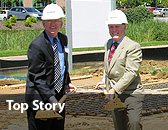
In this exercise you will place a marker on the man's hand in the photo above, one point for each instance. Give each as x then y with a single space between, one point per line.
72 87
111 95
100 85
57 106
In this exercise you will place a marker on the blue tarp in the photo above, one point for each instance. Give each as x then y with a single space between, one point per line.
8 77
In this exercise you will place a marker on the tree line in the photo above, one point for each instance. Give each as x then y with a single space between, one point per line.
7 4
135 3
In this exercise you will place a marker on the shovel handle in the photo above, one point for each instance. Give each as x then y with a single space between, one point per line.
65 96
104 90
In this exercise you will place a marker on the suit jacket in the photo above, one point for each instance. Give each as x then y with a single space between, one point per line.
123 72
40 85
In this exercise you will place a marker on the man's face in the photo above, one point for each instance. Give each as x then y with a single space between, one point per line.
52 26
117 31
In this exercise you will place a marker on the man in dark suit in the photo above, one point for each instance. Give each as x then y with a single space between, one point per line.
121 76
48 75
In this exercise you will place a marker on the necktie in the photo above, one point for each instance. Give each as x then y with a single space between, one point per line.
112 50
57 69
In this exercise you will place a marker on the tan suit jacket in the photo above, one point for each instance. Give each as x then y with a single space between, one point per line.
123 72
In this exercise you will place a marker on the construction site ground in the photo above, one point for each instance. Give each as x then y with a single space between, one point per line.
85 82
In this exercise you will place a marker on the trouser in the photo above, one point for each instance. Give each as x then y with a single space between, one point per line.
129 119
44 124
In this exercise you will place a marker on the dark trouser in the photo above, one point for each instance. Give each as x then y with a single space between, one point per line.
46 124
129 119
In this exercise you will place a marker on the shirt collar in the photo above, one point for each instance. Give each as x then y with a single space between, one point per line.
120 40
51 38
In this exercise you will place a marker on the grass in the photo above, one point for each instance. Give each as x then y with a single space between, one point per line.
17 39
149 33
165 69
154 43
18 75
80 70
24 52
12 53
87 49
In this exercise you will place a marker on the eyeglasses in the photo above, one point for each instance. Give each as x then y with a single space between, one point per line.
53 21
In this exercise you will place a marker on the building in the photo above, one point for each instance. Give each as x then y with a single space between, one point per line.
30 3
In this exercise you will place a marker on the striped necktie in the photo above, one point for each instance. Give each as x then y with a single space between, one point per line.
57 69
112 50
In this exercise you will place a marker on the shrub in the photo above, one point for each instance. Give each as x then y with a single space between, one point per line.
13 24
154 72
13 19
30 21
138 14
8 24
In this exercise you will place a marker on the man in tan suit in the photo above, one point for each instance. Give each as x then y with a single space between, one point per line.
121 76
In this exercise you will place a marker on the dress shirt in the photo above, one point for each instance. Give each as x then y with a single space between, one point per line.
119 40
60 53
61 58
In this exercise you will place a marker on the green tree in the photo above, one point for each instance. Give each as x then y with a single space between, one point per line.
7 3
138 14
45 2
14 2
163 3
37 1
122 3
11 3
134 2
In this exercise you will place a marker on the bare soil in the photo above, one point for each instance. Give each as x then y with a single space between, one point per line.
15 120
95 69
21 26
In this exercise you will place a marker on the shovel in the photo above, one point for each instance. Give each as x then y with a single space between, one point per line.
115 103
52 113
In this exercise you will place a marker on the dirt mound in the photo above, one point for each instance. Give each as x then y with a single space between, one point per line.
151 71
154 63
163 75
155 69
10 81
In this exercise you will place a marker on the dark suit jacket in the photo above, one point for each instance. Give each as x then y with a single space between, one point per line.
40 85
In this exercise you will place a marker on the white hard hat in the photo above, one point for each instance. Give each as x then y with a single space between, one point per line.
52 11
117 17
